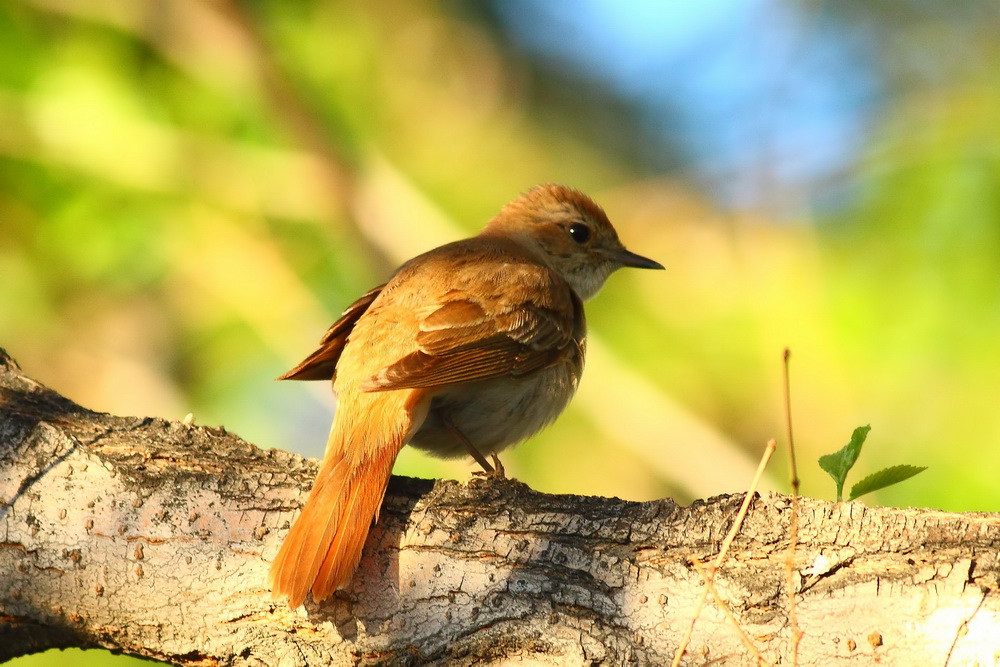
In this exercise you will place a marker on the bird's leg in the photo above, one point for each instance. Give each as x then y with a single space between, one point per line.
495 470
498 470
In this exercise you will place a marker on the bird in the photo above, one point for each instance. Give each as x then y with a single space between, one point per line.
467 349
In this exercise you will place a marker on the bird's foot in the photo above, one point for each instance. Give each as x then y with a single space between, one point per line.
495 471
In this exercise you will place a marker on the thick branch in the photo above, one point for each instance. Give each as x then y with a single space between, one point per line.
154 538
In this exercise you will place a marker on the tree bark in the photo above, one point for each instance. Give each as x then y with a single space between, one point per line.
153 538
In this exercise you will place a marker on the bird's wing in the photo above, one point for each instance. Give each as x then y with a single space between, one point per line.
322 364
470 333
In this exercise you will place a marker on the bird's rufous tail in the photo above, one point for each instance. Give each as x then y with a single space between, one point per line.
323 547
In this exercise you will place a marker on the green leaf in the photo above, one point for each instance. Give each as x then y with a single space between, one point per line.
883 478
838 464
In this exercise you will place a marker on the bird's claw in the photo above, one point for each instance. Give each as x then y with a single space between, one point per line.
496 471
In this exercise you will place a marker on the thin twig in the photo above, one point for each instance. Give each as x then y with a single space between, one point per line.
737 524
793 528
744 637
794 469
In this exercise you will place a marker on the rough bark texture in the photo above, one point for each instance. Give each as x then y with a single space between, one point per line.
154 538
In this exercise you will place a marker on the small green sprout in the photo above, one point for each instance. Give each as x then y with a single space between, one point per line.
838 464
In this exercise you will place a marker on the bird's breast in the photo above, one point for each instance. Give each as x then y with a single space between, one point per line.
499 412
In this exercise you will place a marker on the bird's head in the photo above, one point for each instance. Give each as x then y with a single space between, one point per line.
570 233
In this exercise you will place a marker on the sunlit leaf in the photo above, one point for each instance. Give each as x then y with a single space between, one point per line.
838 464
883 478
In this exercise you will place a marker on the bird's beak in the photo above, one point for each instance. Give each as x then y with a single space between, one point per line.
629 258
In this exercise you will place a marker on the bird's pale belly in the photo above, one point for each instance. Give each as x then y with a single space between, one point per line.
494 414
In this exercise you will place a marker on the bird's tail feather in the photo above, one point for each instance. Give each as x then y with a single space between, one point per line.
324 545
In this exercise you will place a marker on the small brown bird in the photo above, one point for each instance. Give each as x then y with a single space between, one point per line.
467 349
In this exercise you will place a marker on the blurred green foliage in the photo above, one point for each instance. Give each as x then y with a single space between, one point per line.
191 192
78 658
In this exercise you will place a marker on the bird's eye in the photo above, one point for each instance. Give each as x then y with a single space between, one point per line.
579 232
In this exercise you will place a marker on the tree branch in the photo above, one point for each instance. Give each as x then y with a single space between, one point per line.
154 538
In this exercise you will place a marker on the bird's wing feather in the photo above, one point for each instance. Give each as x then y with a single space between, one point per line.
477 334
322 364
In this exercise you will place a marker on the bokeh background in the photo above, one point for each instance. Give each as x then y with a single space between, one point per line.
190 193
